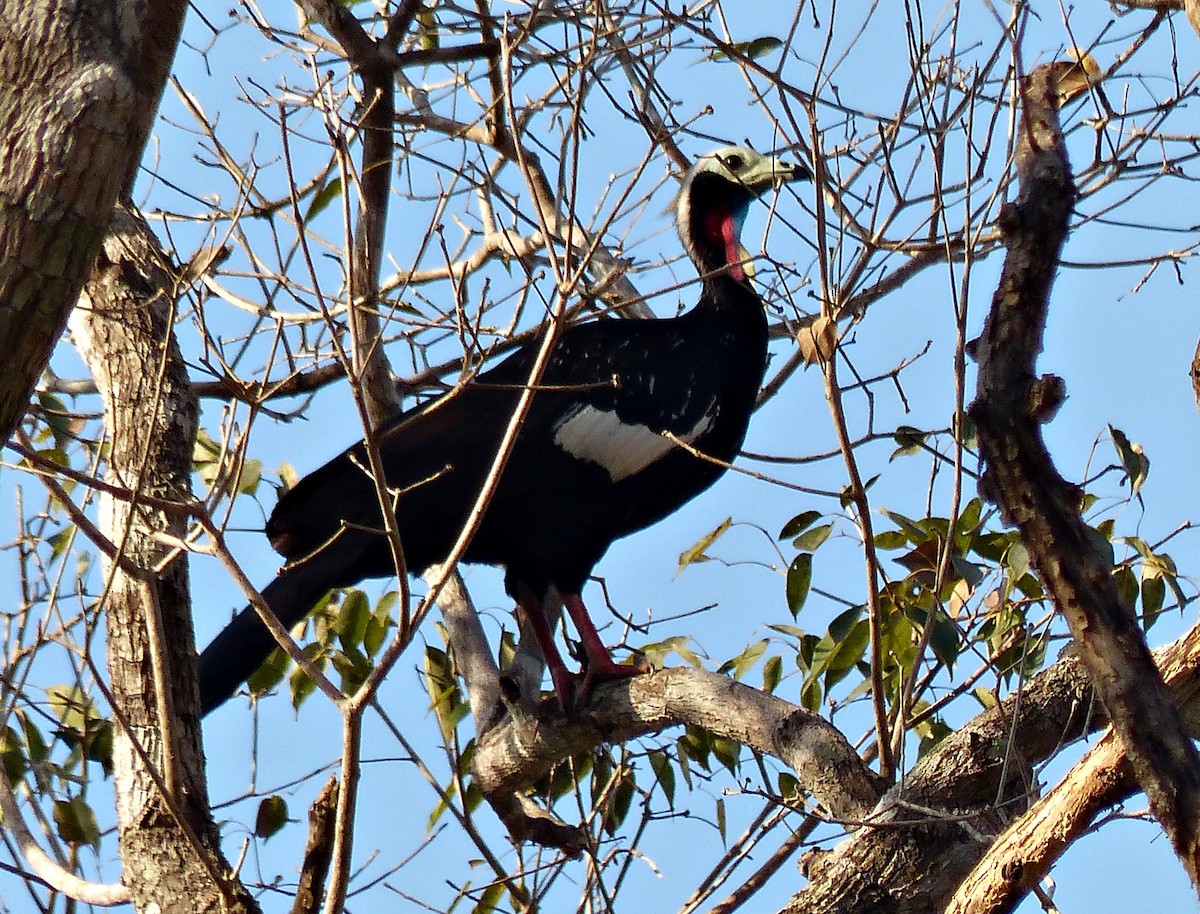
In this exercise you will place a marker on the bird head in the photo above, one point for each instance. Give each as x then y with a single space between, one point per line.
714 198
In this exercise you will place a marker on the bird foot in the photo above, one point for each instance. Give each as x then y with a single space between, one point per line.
597 670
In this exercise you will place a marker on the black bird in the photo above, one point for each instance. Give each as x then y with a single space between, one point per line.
594 459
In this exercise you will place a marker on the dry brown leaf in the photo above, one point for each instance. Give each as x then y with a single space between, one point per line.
818 341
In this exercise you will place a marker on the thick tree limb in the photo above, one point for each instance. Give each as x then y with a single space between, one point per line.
984 768
967 788
1011 404
511 757
1025 853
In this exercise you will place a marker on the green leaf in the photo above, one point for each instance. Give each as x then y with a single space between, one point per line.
250 476
799 524
1017 561
741 664
602 773
909 441
750 50
322 198
288 477
58 542
1127 584
428 31
992 546
208 463
272 816
772 673
39 753
843 624
473 798
695 744
945 641
968 522
353 666
810 695
72 705
1133 459
890 540
1154 591
931 732
98 745
11 755
380 623
299 682
910 527
985 697
728 752
75 822
270 674
375 634
352 618
968 433
789 786
665 772
618 809
846 653
721 821
489 901
968 571
697 552
790 631
811 540
658 652
443 690
799 582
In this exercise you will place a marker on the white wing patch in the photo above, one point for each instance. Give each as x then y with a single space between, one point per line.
622 448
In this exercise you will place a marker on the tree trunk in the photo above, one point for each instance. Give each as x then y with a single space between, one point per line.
80 81
123 329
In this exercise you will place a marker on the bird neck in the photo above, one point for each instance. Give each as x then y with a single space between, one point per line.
711 224
723 231
734 299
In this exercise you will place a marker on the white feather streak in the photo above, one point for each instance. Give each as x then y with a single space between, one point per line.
621 448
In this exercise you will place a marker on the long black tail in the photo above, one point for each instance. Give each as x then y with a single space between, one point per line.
242 646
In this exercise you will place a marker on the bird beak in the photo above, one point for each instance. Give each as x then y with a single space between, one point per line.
783 170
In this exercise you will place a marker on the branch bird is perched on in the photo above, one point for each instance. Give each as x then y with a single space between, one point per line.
594 459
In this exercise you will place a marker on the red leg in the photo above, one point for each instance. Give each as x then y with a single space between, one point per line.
599 665
563 679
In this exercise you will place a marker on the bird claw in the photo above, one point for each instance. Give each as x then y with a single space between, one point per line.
575 689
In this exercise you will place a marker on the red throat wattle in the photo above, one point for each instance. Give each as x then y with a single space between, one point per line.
721 227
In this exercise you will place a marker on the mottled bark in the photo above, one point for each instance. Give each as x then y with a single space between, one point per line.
123 329
1011 404
80 81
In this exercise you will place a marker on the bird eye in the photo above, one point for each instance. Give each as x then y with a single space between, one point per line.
734 162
